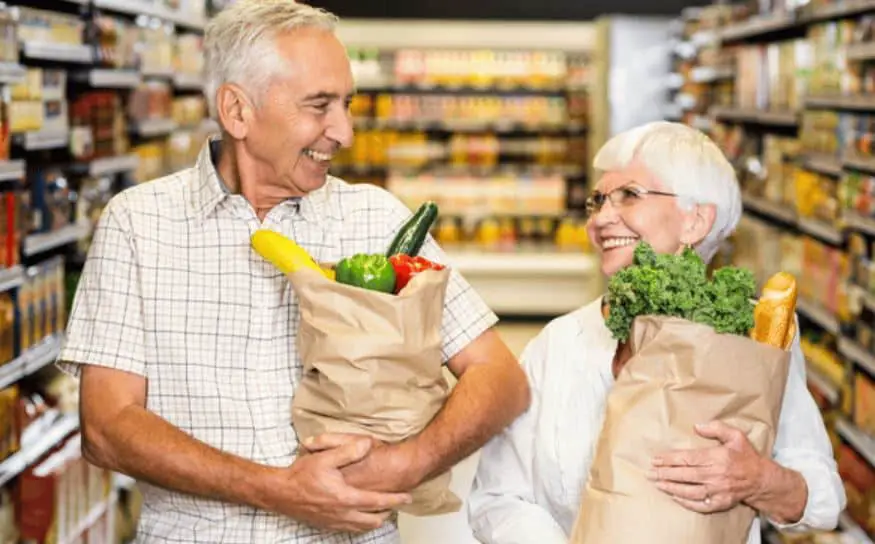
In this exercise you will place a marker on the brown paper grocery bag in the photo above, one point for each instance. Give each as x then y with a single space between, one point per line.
372 365
680 374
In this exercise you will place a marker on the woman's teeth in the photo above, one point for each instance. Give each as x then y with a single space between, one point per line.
317 156
612 243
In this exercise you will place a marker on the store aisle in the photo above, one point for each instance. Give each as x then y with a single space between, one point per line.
453 528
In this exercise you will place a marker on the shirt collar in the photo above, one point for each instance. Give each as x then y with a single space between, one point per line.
208 189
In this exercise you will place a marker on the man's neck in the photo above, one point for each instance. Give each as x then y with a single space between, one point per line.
242 175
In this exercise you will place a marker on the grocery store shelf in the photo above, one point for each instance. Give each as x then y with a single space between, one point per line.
188 82
709 74
12 73
31 361
758 26
823 164
166 73
38 243
60 428
857 222
855 352
820 315
853 529
155 127
10 278
110 79
79 54
90 520
473 125
823 231
838 102
528 283
822 384
754 116
837 10
769 209
44 139
861 51
860 441
855 162
113 165
12 170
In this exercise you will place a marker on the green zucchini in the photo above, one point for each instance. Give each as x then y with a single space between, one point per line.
412 235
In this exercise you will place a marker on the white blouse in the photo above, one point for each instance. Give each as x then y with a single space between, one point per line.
528 485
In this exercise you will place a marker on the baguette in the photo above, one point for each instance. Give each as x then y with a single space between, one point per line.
775 312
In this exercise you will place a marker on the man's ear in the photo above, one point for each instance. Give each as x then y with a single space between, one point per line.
235 110
700 220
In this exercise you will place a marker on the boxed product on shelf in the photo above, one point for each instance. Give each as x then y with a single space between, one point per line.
100 125
857 191
183 147
864 400
116 41
59 496
152 161
48 203
826 132
40 303
150 100
7 330
859 479
189 111
817 196
8 422
9 49
467 110
11 225
189 55
38 25
830 73
30 87
156 48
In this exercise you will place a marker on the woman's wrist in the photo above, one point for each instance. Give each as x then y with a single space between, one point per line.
782 495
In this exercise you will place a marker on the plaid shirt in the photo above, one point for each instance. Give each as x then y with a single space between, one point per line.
173 292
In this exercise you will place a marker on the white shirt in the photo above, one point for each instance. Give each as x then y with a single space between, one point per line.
529 482
173 291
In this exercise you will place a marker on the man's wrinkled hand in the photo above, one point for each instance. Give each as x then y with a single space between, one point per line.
387 468
711 479
314 491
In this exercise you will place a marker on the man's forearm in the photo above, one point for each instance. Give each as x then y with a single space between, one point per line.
148 448
784 495
486 399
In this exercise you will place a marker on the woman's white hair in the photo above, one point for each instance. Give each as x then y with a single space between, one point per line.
240 47
689 164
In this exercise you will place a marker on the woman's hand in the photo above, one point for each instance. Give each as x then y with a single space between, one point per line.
712 479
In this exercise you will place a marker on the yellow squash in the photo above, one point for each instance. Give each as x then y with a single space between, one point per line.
283 253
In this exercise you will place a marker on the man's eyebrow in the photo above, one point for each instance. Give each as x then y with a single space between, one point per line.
323 95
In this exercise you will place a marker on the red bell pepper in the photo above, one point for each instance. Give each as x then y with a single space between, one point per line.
406 267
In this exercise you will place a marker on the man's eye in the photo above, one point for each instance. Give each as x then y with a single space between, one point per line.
321 106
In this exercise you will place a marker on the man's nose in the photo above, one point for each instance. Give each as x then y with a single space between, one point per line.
340 130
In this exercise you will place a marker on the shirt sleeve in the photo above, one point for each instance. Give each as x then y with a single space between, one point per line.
802 445
105 327
466 315
502 508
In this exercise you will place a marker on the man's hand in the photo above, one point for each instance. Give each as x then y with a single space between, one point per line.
712 479
387 468
314 492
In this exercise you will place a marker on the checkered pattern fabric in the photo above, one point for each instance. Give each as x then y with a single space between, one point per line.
172 291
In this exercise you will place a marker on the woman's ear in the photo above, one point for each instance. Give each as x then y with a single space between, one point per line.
699 223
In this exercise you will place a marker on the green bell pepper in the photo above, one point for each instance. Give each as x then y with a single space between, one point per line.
373 272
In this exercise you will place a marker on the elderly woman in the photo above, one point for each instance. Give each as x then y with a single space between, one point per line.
671 186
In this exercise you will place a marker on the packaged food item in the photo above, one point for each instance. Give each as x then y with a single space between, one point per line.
7 328
864 400
8 427
46 26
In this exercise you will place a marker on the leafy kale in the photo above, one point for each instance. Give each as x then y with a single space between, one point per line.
678 286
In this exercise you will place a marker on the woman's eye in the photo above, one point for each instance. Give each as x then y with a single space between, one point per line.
631 194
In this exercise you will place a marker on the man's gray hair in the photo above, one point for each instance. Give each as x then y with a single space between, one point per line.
240 48
689 163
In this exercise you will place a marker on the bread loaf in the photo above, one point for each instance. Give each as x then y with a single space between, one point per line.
775 312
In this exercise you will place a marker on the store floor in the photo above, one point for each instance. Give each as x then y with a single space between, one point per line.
453 528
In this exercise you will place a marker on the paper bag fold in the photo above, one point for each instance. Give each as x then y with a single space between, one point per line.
373 366
680 374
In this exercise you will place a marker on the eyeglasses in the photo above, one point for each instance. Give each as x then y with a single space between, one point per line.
620 197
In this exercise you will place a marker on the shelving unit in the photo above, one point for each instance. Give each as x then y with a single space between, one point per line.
798 173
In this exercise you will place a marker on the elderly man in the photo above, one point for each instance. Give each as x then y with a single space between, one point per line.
185 341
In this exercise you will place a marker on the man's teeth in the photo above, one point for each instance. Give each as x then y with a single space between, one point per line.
317 156
612 243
